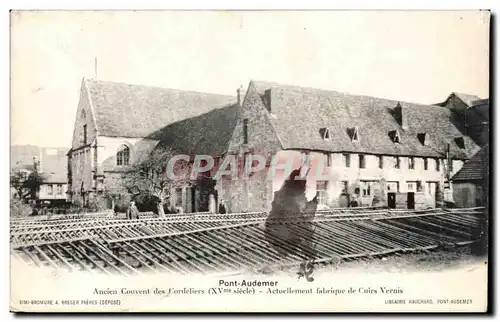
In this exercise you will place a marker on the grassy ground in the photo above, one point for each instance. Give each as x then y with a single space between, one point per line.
423 261
434 260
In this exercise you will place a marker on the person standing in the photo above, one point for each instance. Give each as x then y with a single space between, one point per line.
222 207
132 211
161 211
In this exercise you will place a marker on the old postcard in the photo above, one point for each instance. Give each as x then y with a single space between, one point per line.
249 161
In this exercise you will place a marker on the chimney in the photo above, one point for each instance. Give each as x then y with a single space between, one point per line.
401 116
267 98
239 93
40 162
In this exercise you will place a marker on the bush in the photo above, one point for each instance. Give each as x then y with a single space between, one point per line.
96 205
75 209
147 202
19 209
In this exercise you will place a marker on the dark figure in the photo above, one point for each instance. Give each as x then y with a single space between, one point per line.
132 211
35 211
289 227
222 208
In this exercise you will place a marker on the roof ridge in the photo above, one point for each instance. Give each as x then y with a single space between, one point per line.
460 93
341 93
156 87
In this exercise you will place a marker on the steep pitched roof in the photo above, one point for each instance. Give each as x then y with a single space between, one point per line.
474 168
208 134
138 111
468 99
298 113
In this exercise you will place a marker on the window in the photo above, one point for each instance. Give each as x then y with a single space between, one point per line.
328 158
394 135
426 164
50 189
344 187
85 134
346 159
322 192
100 184
397 162
393 186
431 188
420 186
353 133
460 142
178 197
421 138
367 188
304 158
245 131
411 186
325 133
438 168
95 158
59 189
362 161
304 163
123 155
411 163
381 162
479 196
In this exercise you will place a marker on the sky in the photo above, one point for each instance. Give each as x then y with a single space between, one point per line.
410 56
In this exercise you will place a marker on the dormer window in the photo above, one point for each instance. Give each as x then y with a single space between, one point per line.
422 138
460 142
325 133
394 135
353 133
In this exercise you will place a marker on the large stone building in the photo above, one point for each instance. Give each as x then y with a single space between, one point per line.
403 150
117 124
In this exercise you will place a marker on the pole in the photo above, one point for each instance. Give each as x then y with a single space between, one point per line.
448 159
95 67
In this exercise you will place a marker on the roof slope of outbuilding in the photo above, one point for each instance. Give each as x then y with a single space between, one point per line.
476 168
207 134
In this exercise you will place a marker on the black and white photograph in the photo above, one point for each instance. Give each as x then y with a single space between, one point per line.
249 161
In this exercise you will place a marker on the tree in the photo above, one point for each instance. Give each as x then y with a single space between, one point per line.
17 179
149 176
33 183
26 186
